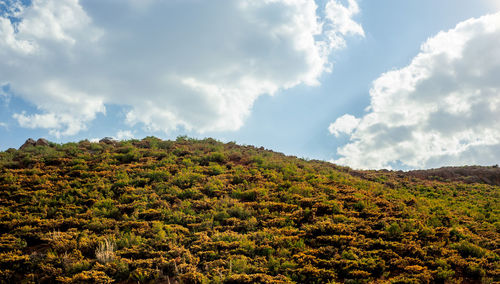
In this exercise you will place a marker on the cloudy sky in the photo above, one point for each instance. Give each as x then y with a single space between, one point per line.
368 84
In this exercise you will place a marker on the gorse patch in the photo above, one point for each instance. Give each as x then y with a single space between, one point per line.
201 211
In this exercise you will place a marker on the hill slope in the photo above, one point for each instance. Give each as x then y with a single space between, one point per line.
200 211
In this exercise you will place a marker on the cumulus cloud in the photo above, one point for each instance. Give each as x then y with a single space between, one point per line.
199 65
124 135
441 109
341 22
344 124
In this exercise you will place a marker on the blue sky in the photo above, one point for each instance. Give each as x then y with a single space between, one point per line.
259 73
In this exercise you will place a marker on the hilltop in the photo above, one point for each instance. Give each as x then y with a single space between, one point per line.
202 211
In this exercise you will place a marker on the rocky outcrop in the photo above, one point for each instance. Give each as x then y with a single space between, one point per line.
42 142
29 143
108 140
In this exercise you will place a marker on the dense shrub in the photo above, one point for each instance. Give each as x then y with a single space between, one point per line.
200 211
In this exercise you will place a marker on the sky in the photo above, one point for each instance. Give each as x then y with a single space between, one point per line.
367 84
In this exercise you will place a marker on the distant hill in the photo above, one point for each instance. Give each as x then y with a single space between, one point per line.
467 174
202 211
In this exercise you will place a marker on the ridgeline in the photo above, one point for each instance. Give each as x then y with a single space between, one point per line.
202 211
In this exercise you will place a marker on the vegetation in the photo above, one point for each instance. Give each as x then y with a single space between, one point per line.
200 211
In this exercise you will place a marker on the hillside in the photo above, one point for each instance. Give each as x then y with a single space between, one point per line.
201 211
469 174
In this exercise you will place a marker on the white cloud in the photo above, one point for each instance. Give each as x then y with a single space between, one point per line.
4 125
442 109
195 64
341 22
124 135
4 96
344 124
66 110
494 4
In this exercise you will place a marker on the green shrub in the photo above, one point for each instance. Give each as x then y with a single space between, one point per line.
467 249
394 230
